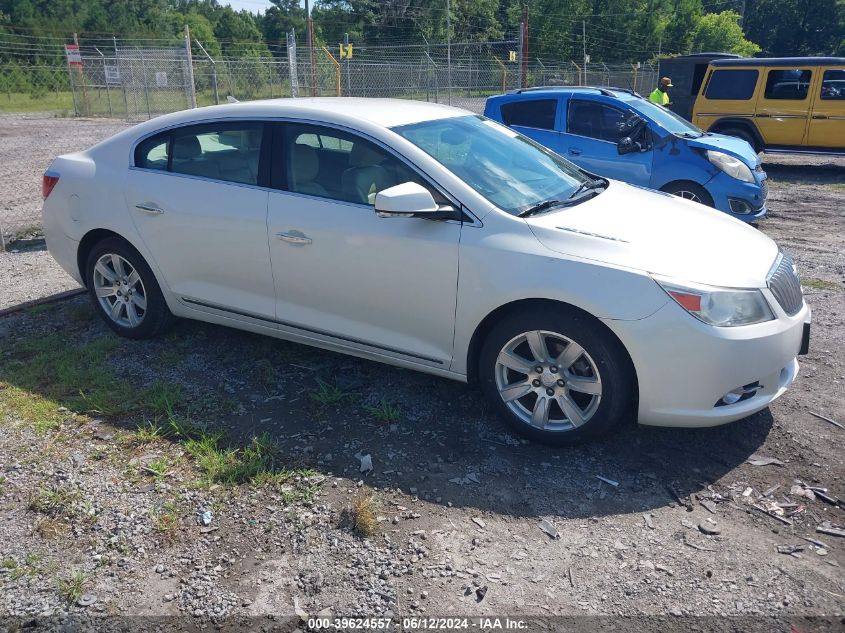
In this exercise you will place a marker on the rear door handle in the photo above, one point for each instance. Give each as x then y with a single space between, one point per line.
819 116
294 239
149 208
574 151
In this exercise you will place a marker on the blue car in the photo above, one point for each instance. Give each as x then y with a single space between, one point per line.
617 133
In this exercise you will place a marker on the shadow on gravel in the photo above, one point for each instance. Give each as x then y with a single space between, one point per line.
824 174
427 436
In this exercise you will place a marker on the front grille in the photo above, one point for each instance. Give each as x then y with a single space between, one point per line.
785 286
764 191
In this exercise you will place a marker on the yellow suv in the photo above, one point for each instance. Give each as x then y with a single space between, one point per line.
794 104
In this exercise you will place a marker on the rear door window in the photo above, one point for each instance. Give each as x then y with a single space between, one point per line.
792 84
729 84
594 120
152 153
536 113
833 85
221 151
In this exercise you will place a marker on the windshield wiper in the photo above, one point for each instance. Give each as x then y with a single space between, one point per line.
540 206
588 185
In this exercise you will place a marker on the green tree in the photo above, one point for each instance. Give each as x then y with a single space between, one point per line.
796 27
722 32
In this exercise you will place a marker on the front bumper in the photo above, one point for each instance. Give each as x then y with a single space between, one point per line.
684 367
744 201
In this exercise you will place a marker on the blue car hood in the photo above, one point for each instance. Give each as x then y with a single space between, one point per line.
732 145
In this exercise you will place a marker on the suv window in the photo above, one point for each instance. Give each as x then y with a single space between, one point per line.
833 85
222 151
793 84
731 84
594 120
333 164
537 113
152 153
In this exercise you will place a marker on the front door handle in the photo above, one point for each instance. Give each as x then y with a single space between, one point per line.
574 151
149 208
294 239
819 116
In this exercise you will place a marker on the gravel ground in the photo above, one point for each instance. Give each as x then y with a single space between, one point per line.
94 511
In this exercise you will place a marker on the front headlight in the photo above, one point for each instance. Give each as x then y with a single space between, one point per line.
730 165
722 307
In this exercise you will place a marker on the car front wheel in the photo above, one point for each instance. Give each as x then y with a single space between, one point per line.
555 377
124 290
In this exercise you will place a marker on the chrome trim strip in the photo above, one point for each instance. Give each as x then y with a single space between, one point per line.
347 339
733 114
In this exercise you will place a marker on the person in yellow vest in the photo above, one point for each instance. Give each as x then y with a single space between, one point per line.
659 95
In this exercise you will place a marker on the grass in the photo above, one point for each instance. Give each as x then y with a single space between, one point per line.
819 284
328 395
29 568
166 521
384 412
364 516
58 502
70 587
838 185
19 102
265 372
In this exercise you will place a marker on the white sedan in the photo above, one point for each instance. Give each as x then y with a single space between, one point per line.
427 237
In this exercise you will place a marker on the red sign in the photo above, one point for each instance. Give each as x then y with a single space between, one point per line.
73 55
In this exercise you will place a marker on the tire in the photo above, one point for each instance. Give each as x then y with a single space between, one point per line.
131 303
600 366
689 191
743 134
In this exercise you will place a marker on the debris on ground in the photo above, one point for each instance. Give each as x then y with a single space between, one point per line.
648 521
708 526
827 419
550 529
366 463
204 517
761 460
789 549
827 528
479 522
613 483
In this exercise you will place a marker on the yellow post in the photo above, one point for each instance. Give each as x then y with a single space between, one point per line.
336 70
504 73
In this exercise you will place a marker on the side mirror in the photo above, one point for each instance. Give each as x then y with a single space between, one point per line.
409 200
627 146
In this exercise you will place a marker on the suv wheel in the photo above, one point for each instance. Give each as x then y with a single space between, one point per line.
124 290
555 377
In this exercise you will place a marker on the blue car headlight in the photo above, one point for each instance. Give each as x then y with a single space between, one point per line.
731 166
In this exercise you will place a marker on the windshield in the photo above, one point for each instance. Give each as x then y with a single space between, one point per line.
666 119
510 170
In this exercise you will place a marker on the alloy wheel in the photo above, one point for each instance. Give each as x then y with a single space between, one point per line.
548 381
119 290
687 195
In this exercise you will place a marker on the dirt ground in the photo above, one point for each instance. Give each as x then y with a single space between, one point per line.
112 450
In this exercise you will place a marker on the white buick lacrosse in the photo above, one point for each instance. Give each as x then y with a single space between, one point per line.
430 238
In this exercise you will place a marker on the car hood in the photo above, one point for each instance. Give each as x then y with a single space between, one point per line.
736 147
662 234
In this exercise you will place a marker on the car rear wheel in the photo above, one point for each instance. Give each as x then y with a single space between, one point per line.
689 191
555 377
124 290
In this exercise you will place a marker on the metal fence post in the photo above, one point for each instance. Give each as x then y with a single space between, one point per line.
213 72
105 79
192 95
146 88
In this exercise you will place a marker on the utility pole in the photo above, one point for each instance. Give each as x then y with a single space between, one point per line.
192 94
584 42
309 35
524 51
449 48
659 48
742 15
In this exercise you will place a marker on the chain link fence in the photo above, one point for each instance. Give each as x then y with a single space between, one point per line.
55 107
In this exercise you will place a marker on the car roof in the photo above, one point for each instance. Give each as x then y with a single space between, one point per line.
779 61
385 113
554 91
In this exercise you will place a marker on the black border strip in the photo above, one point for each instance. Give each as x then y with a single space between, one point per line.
311 330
